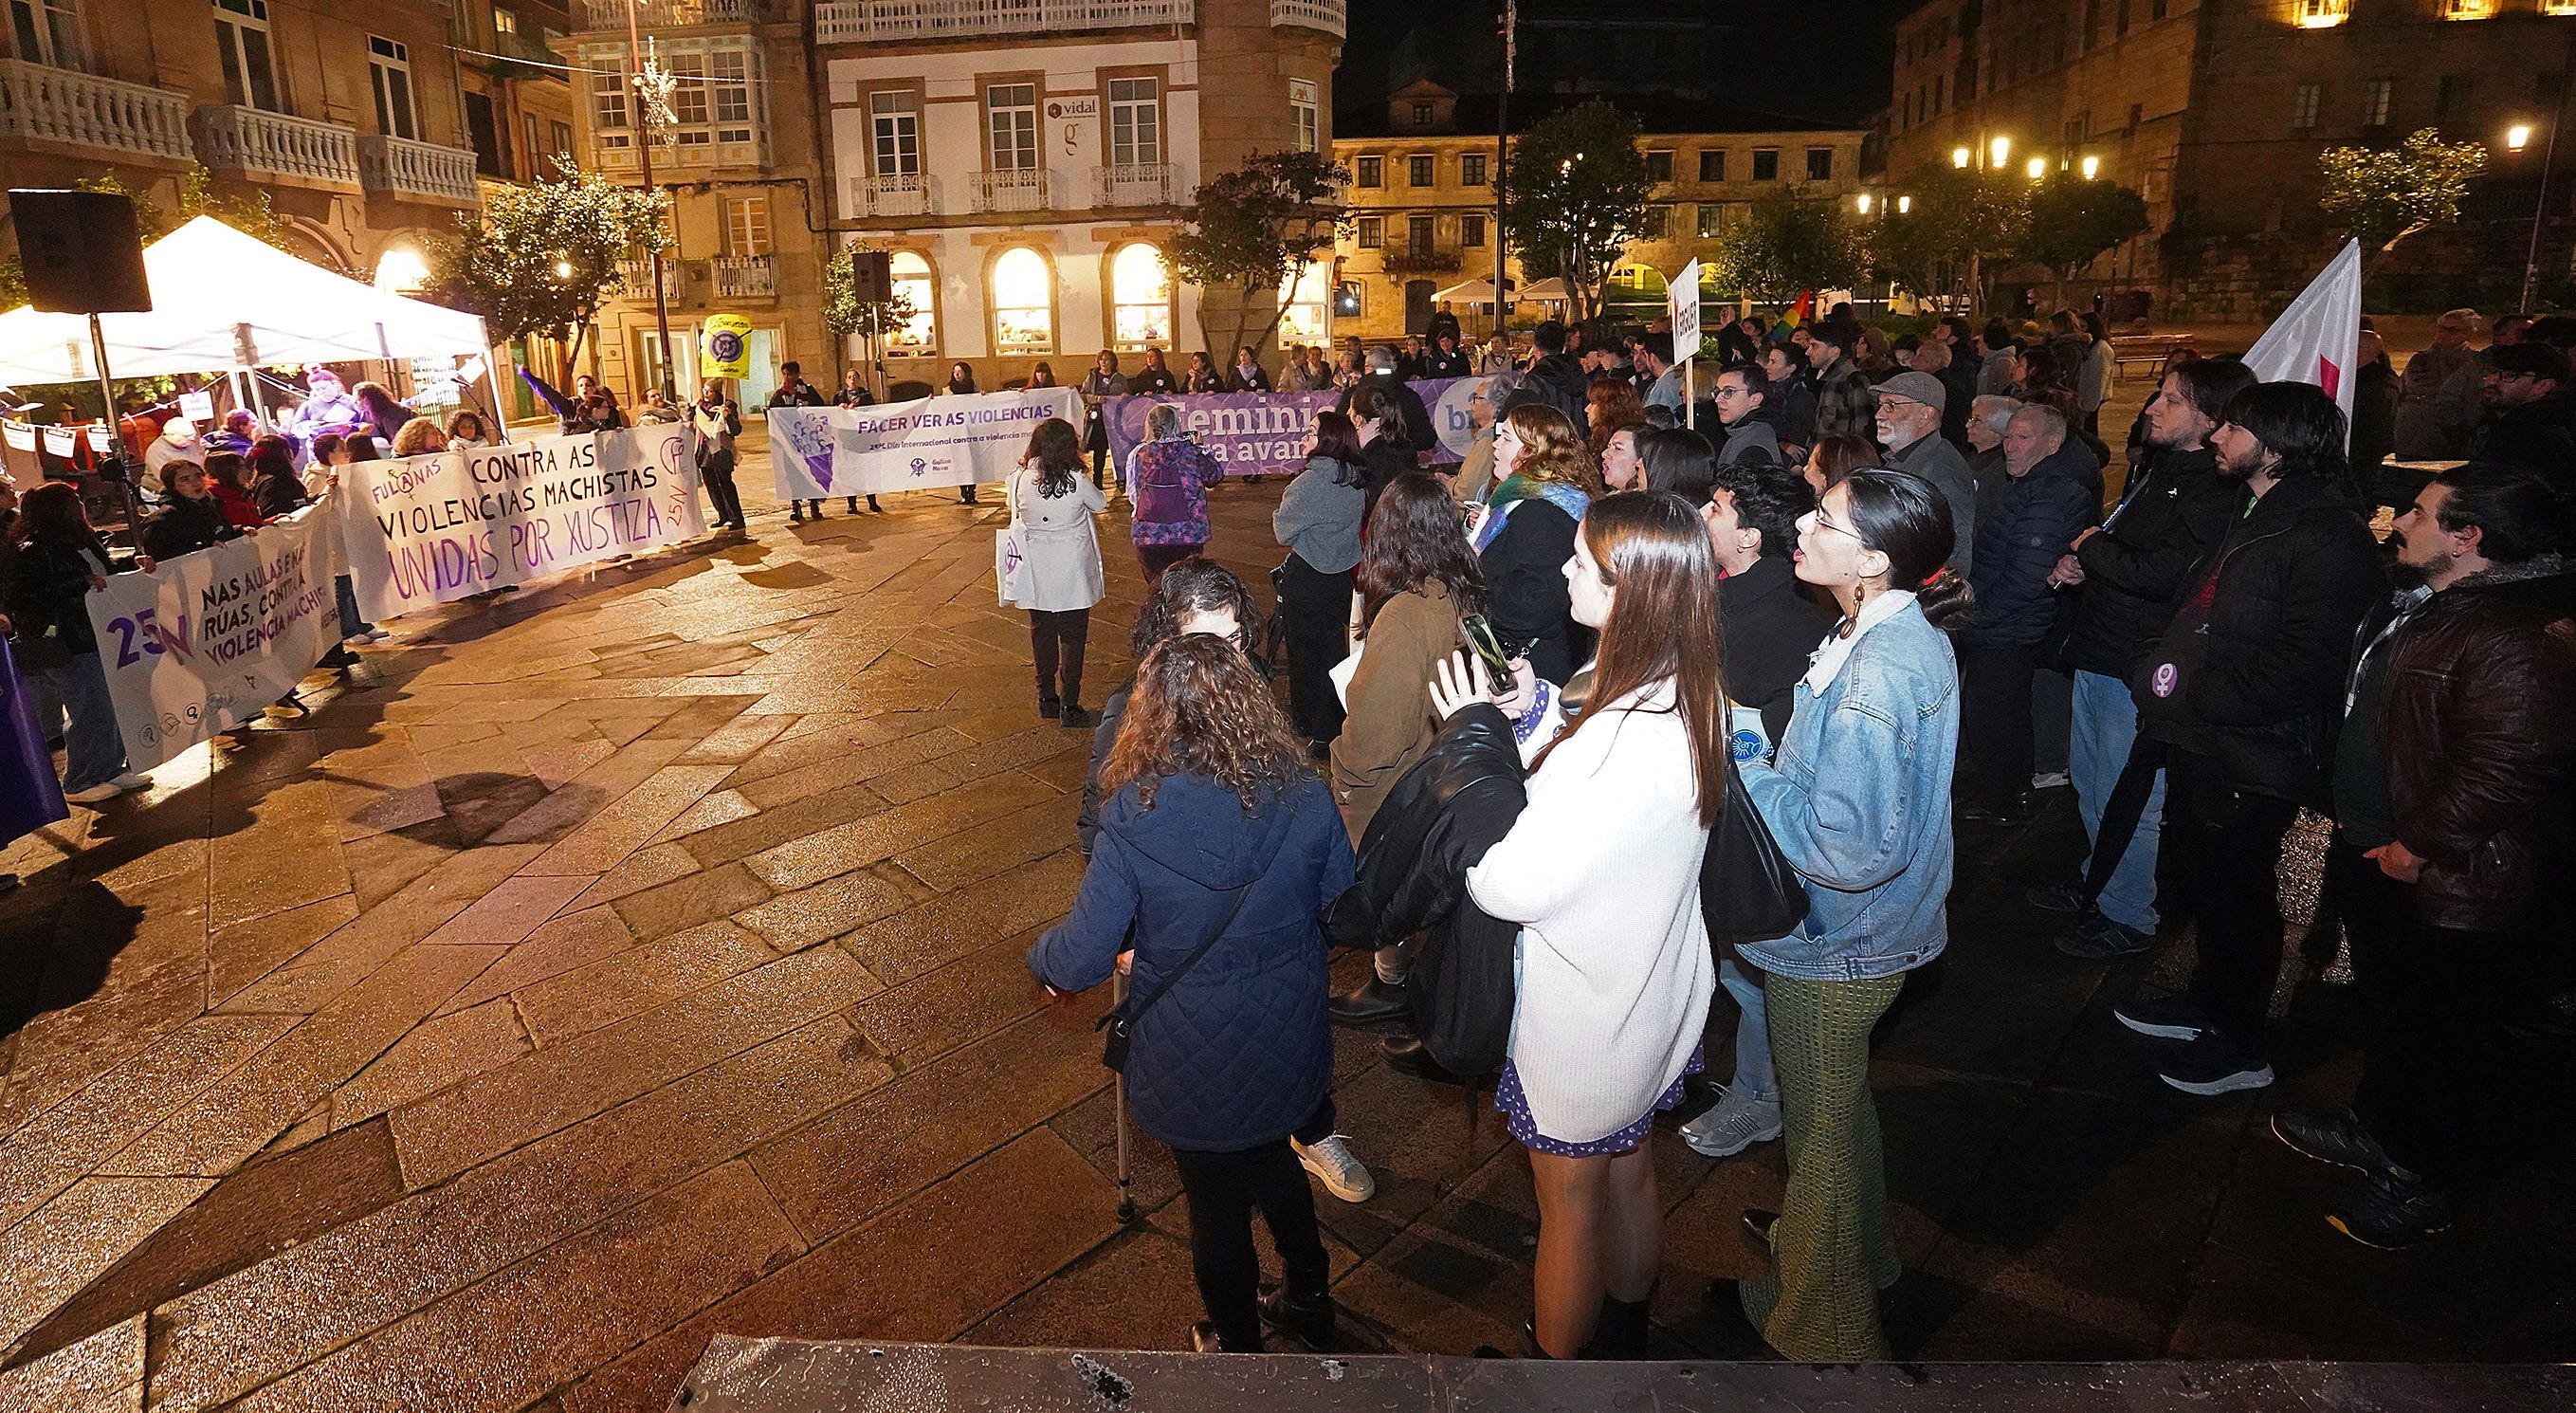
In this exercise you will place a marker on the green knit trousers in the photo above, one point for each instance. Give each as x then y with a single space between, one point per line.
1833 1249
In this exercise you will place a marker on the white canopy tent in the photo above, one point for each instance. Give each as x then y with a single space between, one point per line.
222 300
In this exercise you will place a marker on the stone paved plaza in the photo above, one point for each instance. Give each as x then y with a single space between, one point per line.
638 958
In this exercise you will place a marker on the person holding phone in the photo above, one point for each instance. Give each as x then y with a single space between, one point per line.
1416 579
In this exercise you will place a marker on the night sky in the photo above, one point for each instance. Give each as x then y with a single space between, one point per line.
1823 59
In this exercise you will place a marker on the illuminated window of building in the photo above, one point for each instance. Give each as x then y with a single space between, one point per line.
1306 319
913 285
1023 302
1140 298
1304 104
2464 9
2323 14
2558 7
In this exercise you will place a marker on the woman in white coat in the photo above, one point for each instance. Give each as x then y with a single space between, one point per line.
1059 577
1601 871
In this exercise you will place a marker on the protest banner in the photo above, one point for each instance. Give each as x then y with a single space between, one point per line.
433 529
1257 434
204 641
949 440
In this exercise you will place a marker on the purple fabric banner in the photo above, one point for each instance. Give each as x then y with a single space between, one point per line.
1263 433
31 796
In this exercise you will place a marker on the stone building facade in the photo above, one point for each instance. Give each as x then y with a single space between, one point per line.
1024 161
2216 112
353 120
1422 195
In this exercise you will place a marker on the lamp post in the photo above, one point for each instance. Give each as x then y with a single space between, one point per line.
644 157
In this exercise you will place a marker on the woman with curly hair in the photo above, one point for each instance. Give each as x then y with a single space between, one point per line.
1523 534
1610 404
1217 850
421 436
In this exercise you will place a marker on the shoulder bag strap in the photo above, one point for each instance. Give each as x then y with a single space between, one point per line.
1139 1003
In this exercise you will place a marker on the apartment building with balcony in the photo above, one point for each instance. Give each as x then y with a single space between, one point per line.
1024 162
351 119
513 58
1422 193
2216 111
737 157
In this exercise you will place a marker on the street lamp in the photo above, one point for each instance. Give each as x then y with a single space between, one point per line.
2038 168
1864 203
2517 137
646 113
2092 168
2002 149
1960 157
563 269
1904 204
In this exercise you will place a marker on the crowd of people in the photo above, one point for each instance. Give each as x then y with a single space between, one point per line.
1549 712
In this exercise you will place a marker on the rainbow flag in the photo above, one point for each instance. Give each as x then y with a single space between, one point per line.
1799 312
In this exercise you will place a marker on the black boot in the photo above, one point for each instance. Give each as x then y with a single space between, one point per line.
1406 1054
1050 705
1309 1321
1376 1001
854 504
872 505
1620 1332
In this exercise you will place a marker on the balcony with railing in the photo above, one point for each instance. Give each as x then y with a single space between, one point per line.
896 194
1327 16
879 21
78 110
610 15
636 280
1136 184
1020 189
250 142
745 276
416 171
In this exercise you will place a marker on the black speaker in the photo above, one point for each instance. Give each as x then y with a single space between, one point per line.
82 250
872 276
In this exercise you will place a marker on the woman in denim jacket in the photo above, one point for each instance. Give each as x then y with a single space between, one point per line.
1871 837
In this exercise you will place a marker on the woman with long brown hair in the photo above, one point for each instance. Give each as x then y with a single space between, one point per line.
1060 576
1523 534
1217 849
1610 404
1835 456
1601 871
1416 580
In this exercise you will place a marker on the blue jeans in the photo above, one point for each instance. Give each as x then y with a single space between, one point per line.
2106 723
1754 1077
351 622
93 749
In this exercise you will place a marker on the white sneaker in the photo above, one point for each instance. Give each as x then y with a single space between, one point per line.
107 790
1332 1164
132 781
1732 1124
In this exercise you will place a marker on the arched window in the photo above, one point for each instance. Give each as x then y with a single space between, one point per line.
1140 298
1023 302
914 286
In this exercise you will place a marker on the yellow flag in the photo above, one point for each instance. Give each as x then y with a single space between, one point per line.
725 348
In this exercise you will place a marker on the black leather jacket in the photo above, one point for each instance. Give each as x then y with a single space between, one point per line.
1438 821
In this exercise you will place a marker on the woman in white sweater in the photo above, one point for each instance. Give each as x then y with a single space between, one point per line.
1059 575
1602 873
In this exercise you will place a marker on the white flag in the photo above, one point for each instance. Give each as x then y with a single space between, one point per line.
2317 339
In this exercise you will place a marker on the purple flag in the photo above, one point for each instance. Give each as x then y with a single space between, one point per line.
31 795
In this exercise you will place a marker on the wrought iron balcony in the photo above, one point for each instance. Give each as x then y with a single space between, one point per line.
637 280
422 171
745 276
251 142
1136 184
867 21
1019 189
102 115
1328 16
901 194
610 15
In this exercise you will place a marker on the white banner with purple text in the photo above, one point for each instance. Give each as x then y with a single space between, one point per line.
204 641
950 440
433 529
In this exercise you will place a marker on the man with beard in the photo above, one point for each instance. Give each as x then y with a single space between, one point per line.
2526 393
2243 690
2128 571
2453 850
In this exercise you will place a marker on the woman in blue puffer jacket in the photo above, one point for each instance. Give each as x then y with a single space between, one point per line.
1214 826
